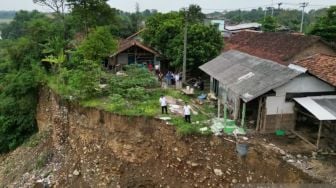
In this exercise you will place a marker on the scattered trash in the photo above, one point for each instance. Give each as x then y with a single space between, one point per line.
239 131
165 118
280 132
203 129
219 126
121 73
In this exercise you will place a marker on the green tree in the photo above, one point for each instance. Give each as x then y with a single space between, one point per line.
19 82
19 26
269 24
165 33
98 45
90 13
326 26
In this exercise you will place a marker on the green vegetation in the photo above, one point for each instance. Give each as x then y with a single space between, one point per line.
326 26
269 24
66 51
43 159
285 17
165 32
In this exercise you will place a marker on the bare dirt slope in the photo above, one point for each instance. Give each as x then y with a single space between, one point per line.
83 147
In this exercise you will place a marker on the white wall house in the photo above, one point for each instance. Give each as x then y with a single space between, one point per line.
302 84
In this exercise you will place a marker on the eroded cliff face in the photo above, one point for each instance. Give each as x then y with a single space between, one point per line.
101 145
95 148
86 147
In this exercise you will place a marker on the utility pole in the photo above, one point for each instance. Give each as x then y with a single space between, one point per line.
269 9
184 68
279 5
303 5
272 8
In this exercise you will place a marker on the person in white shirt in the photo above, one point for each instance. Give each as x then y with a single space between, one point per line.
177 81
186 111
163 104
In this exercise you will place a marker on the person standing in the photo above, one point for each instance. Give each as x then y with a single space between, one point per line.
160 77
177 81
186 111
163 103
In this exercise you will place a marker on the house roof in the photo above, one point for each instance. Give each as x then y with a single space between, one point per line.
322 66
246 75
128 43
322 107
242 26
135 34
278 47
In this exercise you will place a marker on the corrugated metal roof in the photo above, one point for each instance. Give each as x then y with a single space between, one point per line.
246 75
242 26
322 107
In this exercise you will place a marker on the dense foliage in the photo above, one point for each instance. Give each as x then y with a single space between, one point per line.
289 18
165 32
269 24
38 48
326 26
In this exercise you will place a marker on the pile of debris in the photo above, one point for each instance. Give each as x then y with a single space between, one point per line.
228 126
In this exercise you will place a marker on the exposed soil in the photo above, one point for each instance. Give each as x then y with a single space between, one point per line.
92 148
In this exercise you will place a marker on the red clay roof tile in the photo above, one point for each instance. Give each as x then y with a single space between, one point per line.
322 66
279 47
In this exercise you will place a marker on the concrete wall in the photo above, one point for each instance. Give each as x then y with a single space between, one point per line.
279 113
303 83
277 105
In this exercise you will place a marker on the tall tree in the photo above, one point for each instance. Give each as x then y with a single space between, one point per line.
98 45
165 33
326 26
91 13
56 5
269 24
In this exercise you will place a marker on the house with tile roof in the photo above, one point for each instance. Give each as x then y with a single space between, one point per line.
283 48
262 88
321 66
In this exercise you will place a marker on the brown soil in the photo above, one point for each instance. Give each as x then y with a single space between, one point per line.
115 151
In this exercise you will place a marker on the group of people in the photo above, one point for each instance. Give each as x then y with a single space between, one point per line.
186 109
171 79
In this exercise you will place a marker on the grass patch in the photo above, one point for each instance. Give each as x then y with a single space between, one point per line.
186 129
43 159
136 94
36 139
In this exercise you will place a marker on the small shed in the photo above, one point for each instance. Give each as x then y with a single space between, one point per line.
131 51
322 108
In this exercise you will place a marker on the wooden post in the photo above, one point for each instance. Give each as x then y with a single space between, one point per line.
225 115
218 107
319 135
259 113
243 115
